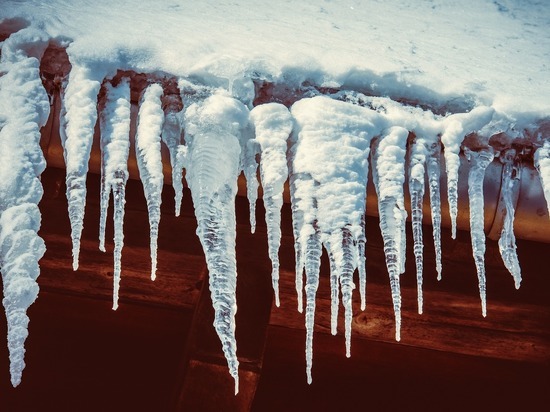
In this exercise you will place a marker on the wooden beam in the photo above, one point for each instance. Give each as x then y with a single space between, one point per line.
205 383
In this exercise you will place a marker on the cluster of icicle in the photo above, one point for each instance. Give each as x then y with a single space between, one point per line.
324 145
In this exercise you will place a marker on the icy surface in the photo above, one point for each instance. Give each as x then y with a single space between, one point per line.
273 126
478 164
507 241
329 165
389 177
148 138
219 121
24 108
115 147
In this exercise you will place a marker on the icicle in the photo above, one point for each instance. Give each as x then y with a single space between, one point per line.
507 241
542 163
273 125
329 163
388 173
456 127
24 110
417 160
250 168
361 267
115 147
213 129
334 294
172 136
78 119
434 175
478 164
148 137
296 181
311 245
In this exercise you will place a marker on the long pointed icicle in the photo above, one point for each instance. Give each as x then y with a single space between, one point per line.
213 130
542 163
24 110
478 164
456 128
78 119
434 176
311 244
329 161
296 182
507 241
273 125
115 147
148 138
172 136
417 169
388 172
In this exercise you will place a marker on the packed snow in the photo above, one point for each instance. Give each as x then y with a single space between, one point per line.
314 93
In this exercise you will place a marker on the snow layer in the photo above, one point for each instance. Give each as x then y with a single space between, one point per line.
495 53
24 108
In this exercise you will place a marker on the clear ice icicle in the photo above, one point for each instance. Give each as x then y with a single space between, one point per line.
456 128
542 163
312 247
478 164
77 123
115 146
329 163
148 138
273 125
434 175
507 241
250 169
172 136
24 111
213 130
418 152
389 176
296 181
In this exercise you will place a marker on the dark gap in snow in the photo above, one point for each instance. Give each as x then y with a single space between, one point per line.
10 26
